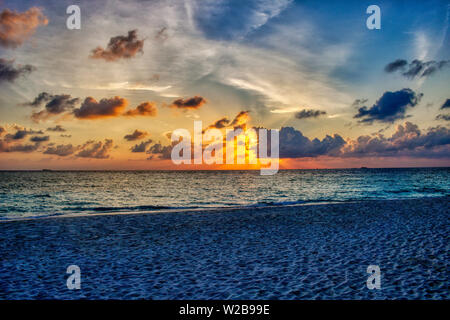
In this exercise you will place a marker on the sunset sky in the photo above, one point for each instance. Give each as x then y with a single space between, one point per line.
108 96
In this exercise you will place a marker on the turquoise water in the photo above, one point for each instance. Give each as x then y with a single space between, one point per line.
37 193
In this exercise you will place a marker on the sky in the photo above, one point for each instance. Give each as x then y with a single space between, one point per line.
109 95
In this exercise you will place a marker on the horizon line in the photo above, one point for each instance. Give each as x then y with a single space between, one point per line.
206 170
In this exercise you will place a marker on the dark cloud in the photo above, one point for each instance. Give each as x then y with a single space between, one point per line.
61 150
144 109
66 135
141 147
190 103
390 107
136 135
358 103
238 122
305 114
10 143
407 140
96 150
40 138
39 100
16 27
120 47
219 124
293 144
54 105
396 65
446 104
91 109
416 68
445 117
9 72
21 133
57 128
60 103
6 147
159 151
2 130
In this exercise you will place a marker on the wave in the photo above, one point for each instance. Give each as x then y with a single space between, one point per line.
118 209
292 203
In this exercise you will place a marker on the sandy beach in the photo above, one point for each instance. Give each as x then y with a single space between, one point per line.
294 252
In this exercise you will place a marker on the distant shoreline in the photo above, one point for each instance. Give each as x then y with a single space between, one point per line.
207 210
209 170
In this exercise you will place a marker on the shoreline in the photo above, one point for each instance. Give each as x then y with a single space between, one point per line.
295 252
208 210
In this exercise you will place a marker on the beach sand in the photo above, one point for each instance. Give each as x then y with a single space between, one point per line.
298 252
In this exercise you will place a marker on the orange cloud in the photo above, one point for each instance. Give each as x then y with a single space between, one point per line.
16 27
144 109
240 119
91 109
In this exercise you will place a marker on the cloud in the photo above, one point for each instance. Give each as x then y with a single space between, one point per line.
2 130
54 105
358 103
57 128
159 151
21 133
305 114
407 140
390 107
8 72
61 150
91 109
239 120
11 142
39 100
96 150
445 117
190 103
141 147
144 109
136 135
396 65
219 124
446 104
6 147
120 47
40 139
162 35
16 27
293 144
416 68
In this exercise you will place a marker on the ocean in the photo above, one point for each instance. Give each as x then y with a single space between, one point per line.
25 194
